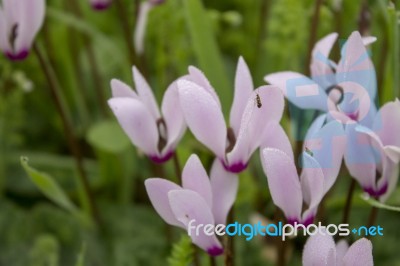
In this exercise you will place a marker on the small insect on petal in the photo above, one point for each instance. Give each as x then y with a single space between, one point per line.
258 100
307 150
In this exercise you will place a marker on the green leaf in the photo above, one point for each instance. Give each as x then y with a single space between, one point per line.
181 252
378 204
108 136
48 186
206 49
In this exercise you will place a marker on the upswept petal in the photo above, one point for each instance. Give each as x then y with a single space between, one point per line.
300 90
120 89
283 182
387 123
275 137
359 254
327 145
254 121
221 180
341 249
243 88
203 116
356 65
137 122
312 184
319 250
145 93
392 173
368 40
188 205
173 117
157 189
198 77
31 19
4 42
194 177
321 69
315 126
359 157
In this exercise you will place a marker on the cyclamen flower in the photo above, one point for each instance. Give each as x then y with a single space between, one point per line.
346 90
320 249
250 114
20 21
205 200
288 189
374 153
100 4
156 134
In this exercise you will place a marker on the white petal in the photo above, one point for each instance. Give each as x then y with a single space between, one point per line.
359 254
121 89
319 250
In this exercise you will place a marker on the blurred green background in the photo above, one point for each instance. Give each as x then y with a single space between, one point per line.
87 49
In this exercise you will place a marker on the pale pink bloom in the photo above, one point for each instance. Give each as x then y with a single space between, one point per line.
321 250
20 21
155 133
289 191
373 153
100 4
250 114
203 199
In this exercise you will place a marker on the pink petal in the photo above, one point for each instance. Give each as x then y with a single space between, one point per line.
312 183
4 31
145 93
327 145
300 90
387 123
120 89
368 40
198 77
203 116
355 64
157 190
137 122
173 116
391 173
31 16
140 27
194 177
393 152
359 254
283 182
319 250
224 187
254 121
243 88
275 137
188 205
341 250
359 157
321 69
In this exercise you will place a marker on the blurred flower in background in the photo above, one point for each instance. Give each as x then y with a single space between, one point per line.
20 21
100 4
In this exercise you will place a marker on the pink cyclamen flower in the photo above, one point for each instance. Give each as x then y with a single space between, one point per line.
320 249
250 114
373 154
202 199
20 21
345 90
289 190
156 134
100 4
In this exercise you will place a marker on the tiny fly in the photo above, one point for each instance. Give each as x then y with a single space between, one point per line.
309 152
258 100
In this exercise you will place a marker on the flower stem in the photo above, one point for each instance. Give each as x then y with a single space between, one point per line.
196 259
230 244
213 261
313 35
87 199
347 208
127 30
177 166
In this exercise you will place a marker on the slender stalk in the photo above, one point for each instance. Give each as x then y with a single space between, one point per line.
213 261
372 216
313 34
55 90
263 20
127 30
347 208
96 76
230 243
177 166
280 244
196 258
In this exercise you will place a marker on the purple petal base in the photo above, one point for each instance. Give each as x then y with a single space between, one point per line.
101 6
17 56
215 251
159 160
309 220
377 192
235 168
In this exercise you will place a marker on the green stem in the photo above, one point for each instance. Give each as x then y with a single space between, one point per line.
313 35
56 93
347 208
230 246
127 30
